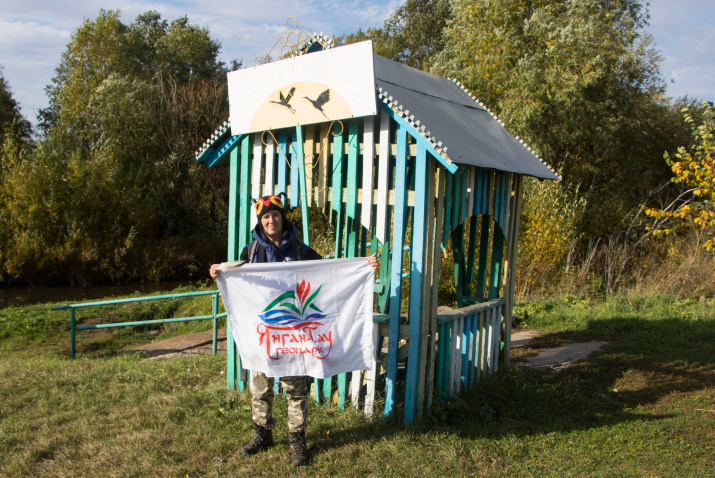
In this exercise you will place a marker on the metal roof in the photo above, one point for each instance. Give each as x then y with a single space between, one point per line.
445 112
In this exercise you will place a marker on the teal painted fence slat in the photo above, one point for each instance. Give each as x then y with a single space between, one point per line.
295 190
398 242
282 161
418 251
300 156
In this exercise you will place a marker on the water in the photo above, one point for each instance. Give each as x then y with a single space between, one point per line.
17 295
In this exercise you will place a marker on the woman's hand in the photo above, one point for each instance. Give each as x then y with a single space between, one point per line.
372 260
214 270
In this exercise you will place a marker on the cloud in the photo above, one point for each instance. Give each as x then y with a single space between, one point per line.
684 33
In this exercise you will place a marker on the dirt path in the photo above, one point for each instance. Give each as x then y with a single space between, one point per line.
550 360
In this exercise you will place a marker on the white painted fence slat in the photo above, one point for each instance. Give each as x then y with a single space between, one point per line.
382 178
368 155
256 166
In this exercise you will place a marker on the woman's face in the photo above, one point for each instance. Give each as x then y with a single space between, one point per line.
272 223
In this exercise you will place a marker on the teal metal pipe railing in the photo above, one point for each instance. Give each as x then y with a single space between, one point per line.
74 327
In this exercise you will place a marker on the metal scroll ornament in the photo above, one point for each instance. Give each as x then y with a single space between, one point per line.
290 43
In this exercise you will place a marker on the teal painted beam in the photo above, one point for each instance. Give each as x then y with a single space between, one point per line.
224 149
398 242
233 244
418 252
244 199
419 139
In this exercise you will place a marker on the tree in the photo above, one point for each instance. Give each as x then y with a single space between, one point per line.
694 169
413 34
579 81
113 191
11 120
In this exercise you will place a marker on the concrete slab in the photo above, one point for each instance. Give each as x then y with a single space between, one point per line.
555 359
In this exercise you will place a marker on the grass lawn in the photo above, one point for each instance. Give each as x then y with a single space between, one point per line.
644 405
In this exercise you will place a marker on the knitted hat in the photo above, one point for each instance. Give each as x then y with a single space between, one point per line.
269 203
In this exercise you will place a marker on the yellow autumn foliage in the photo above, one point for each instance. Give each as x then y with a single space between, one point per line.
548 231
694 208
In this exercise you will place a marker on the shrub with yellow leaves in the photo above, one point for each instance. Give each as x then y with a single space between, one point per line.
694 207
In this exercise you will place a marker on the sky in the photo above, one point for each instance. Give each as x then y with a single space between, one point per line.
34 33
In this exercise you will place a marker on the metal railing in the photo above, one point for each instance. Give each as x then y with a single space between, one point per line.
74 327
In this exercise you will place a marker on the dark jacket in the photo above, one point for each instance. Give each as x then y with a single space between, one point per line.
267 252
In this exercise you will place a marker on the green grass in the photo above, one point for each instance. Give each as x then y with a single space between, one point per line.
642 406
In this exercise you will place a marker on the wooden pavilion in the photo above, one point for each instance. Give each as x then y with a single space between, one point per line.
413 166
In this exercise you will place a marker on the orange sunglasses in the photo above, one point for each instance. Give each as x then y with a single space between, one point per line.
260 203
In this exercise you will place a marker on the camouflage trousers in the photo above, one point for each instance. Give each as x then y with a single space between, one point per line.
296 389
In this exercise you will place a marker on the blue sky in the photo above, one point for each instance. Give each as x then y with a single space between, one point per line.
34 33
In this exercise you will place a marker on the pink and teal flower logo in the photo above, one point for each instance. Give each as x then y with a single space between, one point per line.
293 307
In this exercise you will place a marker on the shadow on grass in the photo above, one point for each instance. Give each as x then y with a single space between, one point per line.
647 367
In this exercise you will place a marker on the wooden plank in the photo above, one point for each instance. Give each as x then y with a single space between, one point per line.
295 182
474 331
398 242
355 385
323 165
472 248
442 357
372 373
467 359
352 223
233 228
483 256
342 390
456 200
496 268
490 193
483 334
383 298
455 357
470 192
417 276
256 165
309 161
368 156
497 337
511 270
447 228
269 178
282 168
382 178
434 292
507 203
337 172
463 208
428 334
305 192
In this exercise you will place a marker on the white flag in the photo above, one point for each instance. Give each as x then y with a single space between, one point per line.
301 318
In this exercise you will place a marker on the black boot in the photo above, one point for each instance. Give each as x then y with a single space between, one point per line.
262 440
298 450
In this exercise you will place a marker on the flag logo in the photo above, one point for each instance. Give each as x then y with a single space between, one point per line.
290 307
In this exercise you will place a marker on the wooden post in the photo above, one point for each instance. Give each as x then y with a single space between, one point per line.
398 242
417 247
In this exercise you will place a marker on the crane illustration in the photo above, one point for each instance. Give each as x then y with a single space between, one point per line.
318 103
284 100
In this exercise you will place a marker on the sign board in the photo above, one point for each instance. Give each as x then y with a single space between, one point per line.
317 87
